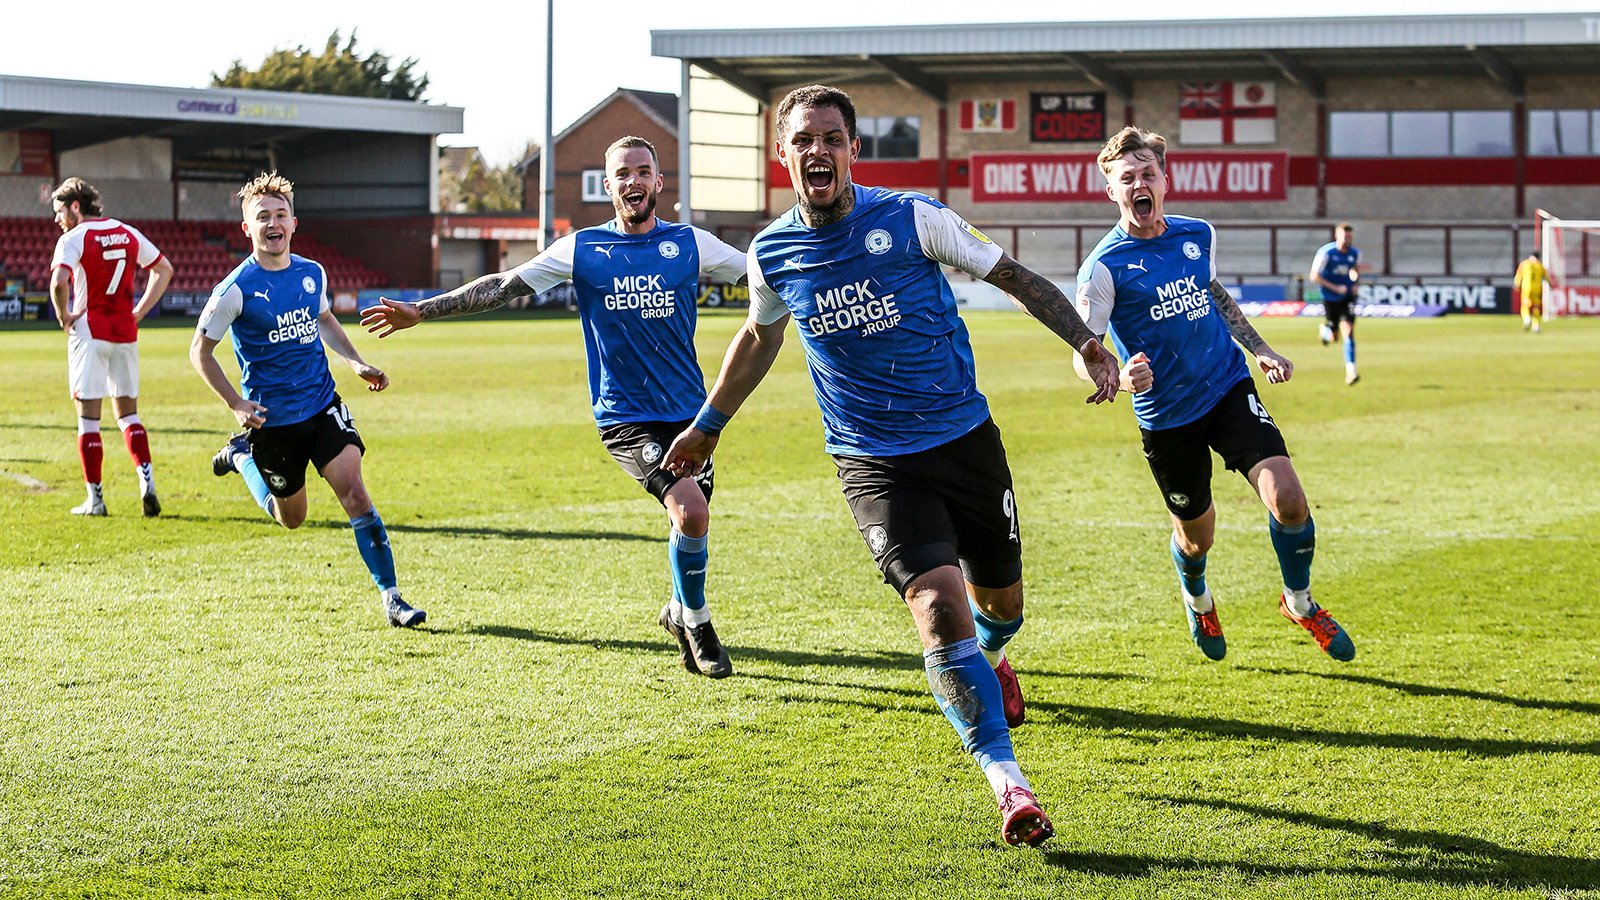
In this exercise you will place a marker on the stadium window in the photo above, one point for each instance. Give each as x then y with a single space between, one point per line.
1480 132
1419 134
1562 132
594 186
1358 134
890 137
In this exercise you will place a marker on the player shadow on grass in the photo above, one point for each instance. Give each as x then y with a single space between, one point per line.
1429 690
484 531
1156 725
881 660
1427 857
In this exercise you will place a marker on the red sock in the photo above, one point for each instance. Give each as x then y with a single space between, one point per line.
90 452
138 443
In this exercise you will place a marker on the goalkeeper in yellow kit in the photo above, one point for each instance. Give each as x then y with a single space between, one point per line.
1529 284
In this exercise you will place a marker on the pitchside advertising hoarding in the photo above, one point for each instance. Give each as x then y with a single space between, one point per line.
1219 176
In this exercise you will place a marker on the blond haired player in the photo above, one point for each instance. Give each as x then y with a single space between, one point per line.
91 287
275 305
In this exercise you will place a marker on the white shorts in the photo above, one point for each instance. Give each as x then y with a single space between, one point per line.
96 368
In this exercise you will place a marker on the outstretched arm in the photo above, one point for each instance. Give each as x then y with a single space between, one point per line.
749 358
1275 367
479 295
1040 298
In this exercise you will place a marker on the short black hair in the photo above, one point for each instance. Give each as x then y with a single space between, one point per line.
817 95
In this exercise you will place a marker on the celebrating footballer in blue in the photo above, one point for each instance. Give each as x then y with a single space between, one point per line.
275 305
920 460
1151 285
637 282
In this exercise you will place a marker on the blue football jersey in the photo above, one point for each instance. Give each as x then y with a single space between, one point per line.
889 357
637 295
1153 296
1335 265
273 319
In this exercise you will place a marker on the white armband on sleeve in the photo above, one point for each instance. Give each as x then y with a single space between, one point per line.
948 239
220 312
551 267
323 305
1096 296
766 306
1213 259
718 260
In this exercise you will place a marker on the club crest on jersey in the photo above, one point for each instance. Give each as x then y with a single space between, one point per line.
879 241
669 250
1177 499
650 453
877 539
309 285
1191 249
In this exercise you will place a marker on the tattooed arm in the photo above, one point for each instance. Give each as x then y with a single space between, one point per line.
1275 367
480 295
1040 298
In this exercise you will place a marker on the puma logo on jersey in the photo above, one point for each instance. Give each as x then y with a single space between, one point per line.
262 295
605 250
1140 266
792 262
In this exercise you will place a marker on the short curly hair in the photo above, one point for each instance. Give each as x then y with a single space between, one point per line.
268 184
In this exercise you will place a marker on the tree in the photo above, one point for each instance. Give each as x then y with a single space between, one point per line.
336 70
467 183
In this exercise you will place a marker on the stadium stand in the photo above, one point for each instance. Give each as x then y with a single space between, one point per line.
201 253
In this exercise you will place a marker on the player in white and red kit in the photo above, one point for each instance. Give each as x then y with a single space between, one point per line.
91 286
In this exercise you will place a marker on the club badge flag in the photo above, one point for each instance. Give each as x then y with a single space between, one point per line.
1228 112
988 115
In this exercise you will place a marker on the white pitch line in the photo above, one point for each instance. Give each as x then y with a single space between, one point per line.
32 484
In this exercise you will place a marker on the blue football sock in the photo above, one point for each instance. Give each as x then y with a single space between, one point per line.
968 692
1295 546
687 558
1350 350
993 634
1191 570
253 480
372 539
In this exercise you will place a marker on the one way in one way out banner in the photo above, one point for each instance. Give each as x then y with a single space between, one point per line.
1075 177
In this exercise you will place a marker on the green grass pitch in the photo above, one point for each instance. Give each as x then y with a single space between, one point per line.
210 705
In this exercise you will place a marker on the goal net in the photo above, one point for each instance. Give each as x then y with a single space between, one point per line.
1571 251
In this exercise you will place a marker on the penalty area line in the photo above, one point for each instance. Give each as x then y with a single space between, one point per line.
27 481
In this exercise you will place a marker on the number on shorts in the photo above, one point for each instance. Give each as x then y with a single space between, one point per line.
341 416
121 256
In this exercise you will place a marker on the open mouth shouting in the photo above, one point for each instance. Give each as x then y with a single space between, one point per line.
819 177
1143 206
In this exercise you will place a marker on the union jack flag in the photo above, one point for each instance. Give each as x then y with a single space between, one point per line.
1200 98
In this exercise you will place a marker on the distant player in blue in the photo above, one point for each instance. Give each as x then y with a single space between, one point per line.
1334 269
1151 284
637 281
275 305
920 460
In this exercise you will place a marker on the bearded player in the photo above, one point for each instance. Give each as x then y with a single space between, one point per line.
637 280
919 458
1151 284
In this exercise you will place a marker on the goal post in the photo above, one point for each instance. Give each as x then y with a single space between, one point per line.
1571 252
